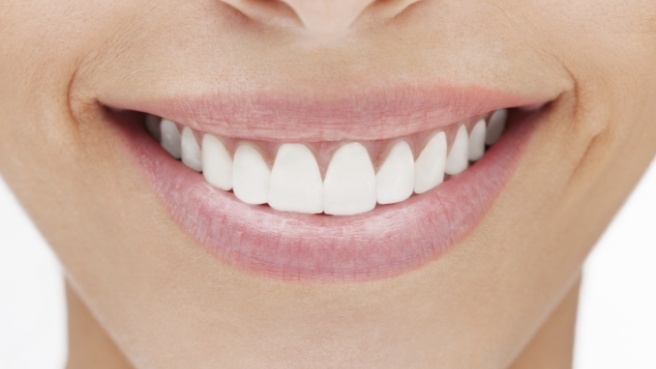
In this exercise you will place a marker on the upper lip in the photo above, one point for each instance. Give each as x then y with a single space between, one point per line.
380 114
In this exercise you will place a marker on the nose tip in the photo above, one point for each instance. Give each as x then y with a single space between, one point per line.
320 17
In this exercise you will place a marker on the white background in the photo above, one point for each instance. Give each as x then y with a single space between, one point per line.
617 318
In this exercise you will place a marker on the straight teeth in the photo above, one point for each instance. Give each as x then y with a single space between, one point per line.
290 178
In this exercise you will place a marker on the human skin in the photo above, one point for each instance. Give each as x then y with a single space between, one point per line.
164 302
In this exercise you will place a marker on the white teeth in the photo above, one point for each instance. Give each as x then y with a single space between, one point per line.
217 163
171 139
477 141
458 158
191 155
395 180
350 184
250 176
152 126
429 167
496 126
296 181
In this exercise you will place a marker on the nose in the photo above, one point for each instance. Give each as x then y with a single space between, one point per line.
321 17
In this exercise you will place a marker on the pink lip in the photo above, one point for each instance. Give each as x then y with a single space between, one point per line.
392 113
388 241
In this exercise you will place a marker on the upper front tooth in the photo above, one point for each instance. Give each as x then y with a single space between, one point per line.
477 141
152 126
458 158
395 180
217 163
250 176
171 138
350 184
296 181
429 167
496 126
191 155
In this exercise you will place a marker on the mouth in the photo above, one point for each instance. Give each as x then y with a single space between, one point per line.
345 190
333 178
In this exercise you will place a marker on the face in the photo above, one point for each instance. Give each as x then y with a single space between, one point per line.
185 269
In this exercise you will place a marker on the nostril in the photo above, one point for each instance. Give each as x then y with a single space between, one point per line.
321 17
388 9
271 12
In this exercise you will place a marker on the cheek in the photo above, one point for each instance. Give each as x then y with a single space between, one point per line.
49 41
607 44
609 48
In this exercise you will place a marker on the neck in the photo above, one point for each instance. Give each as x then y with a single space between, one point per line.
553 345
91 347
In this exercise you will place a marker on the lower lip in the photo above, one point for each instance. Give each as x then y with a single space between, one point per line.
386 242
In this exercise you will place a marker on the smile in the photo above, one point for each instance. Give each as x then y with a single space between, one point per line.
348 178
360 191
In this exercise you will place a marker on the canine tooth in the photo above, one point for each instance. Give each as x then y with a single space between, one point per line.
458 160
429 167
153 127
296 181
477 141
350 184
191 155
217 163
496 126
250 176
395 180
171 140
